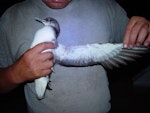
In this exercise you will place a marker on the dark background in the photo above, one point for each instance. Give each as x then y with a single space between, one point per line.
129 86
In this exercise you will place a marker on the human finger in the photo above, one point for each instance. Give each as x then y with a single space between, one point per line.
43 46
48 64
138 33
128 32
144 31
46 56
147 41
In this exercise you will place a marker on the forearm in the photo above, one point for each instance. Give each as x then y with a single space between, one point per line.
7 81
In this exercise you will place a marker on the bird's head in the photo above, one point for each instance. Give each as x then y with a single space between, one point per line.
50 22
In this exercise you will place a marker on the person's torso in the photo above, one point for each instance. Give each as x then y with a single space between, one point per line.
74 89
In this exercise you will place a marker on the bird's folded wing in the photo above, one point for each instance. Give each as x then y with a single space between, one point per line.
109 55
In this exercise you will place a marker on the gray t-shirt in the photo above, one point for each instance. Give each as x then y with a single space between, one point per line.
74 89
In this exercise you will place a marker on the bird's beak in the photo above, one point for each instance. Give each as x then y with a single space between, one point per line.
40 20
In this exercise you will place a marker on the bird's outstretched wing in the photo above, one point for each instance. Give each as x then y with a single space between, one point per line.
109 55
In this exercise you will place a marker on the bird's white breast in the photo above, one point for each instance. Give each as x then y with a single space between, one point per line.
45 34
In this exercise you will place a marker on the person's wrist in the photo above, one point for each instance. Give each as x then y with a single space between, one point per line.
14 75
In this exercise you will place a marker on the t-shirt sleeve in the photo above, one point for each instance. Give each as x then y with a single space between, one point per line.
119 20
5 56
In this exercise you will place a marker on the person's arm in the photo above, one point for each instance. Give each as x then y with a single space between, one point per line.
33 64
137 32
6 80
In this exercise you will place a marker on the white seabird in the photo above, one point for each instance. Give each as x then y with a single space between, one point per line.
108 55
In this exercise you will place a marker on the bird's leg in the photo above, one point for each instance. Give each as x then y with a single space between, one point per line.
48 86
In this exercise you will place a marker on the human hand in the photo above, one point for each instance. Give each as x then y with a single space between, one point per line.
137 32
33 64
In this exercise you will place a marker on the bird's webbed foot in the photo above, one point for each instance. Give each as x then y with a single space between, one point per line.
49 86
